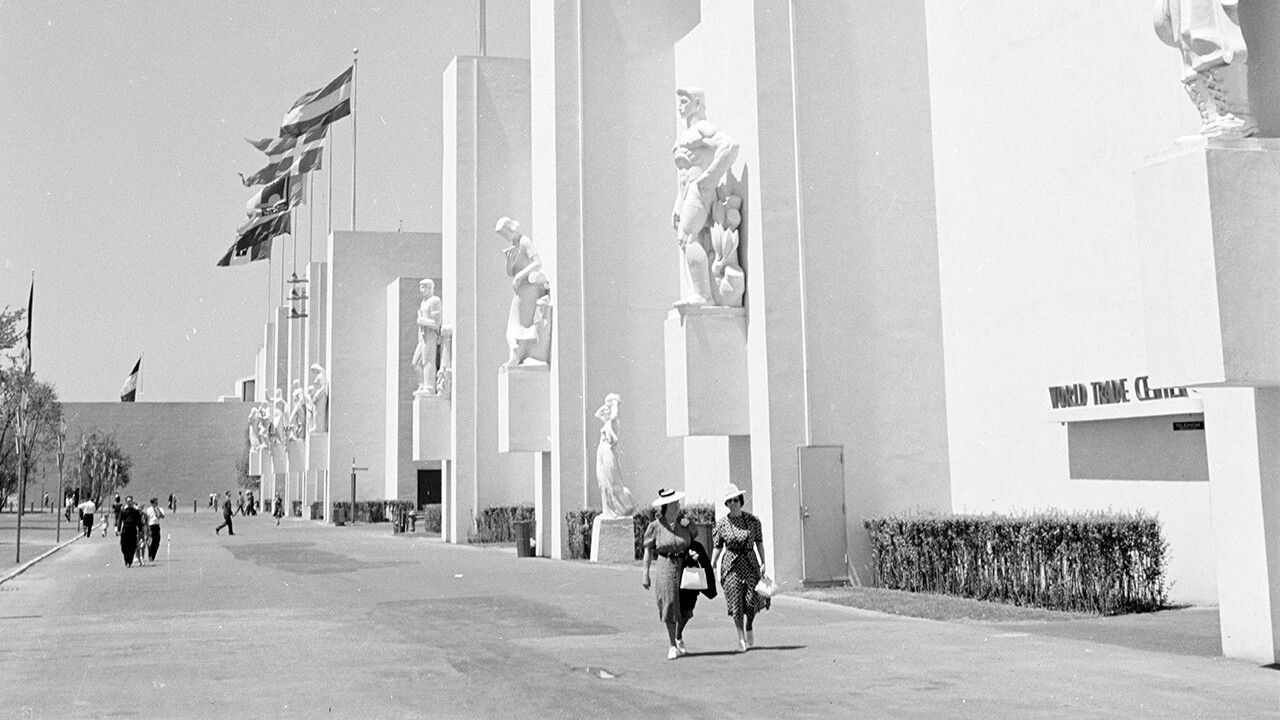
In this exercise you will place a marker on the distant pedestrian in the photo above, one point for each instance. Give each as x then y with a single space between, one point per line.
130 527
738 540
279 511
239 502
252 504
173 503
226 516
213 498
87 509
46 501
116 507
666 544
154 515
67 506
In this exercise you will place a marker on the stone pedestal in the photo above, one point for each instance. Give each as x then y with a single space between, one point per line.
524 407
613 540
706 372
431 435
257 458
1208 223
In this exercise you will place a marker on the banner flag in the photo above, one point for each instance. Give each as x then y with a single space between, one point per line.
129 391
253 241
319 107
304 150
274 147
237 255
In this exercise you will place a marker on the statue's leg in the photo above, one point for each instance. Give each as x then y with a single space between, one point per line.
697 273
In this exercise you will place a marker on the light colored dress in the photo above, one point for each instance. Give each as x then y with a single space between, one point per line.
739 568
668 545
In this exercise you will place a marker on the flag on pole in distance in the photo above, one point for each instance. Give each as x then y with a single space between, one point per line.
129 391
319 107
271 198
274 147
31 300
254 238
305 151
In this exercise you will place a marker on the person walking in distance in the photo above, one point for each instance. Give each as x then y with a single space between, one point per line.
240 503
279 509
130 525
87 509
116 507
154 514
226 516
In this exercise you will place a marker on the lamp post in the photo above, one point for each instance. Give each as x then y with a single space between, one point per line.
62 491
22 470
353 488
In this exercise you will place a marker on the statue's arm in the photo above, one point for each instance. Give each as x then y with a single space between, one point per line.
726 151
535 260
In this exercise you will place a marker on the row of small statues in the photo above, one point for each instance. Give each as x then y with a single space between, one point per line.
277 422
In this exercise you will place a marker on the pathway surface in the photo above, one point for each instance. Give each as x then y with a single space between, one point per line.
303 620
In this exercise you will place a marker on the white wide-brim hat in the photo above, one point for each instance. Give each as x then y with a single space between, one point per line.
667 496
731 491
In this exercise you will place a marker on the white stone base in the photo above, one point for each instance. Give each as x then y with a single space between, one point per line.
431 428
524 408
706 372
613 540
1208 214
256 461
296 456
318 451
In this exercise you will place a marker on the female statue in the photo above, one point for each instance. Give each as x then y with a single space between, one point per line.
615 498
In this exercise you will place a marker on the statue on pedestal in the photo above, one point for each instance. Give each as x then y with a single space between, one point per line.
615 498
297 412
259 426
703 154
529 321
430 312
279 418
1214 62
318 400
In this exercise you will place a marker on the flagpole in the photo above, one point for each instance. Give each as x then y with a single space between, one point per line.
328 189
311 220
355 52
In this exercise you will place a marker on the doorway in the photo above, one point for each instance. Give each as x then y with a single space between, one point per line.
428 487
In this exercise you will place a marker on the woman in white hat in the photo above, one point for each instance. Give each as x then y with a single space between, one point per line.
738 539
666 541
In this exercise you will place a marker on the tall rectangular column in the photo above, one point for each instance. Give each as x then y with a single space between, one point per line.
403 299
486 177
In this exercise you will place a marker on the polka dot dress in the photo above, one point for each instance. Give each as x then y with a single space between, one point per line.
739 568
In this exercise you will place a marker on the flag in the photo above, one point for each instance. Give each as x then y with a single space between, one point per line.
254 236
274 147
129 392
270 198
31 299
319 107
306 152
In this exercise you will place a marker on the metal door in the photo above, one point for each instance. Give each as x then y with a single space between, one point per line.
823 542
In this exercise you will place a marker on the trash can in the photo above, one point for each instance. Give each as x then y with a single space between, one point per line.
524 538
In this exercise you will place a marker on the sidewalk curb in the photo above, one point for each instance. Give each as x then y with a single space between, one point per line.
27 565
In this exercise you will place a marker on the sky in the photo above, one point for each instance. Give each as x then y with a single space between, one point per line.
121 135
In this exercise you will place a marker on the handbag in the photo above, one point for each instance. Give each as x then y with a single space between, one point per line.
693 578
766 587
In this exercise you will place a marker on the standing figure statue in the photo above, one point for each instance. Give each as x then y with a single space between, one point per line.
430 313
703 154
279 418
1214 62
318 400
257 438
528 324
615 498
297 412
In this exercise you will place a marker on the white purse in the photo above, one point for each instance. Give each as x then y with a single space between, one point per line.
693 578
766 587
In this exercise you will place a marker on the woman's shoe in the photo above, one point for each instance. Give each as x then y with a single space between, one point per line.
673 653
751 640
742 645
680 646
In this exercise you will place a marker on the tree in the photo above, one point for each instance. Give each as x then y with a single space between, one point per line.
42 417
100 468
11 332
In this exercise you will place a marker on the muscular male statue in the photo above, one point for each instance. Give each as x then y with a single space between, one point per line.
703 154
526 328
430 313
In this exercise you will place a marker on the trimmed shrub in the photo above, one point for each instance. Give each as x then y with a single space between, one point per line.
1107 563
494 524
430 521
371 511
578 525
317 510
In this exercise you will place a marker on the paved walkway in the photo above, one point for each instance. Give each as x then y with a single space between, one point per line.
302 620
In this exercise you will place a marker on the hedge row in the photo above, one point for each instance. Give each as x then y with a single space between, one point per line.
1098 562
496 524
371 510
430 521
578 523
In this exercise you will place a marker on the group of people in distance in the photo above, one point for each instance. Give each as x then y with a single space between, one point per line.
137 528
671 545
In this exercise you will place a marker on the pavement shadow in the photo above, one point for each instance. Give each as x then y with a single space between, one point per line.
757 648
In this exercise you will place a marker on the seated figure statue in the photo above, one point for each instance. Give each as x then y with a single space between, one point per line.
1214 62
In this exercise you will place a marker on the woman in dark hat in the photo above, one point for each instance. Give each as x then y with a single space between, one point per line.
666 543
738 539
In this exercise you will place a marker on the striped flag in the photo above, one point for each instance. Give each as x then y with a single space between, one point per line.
319 107
254 236
304 151
129 391
271 198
